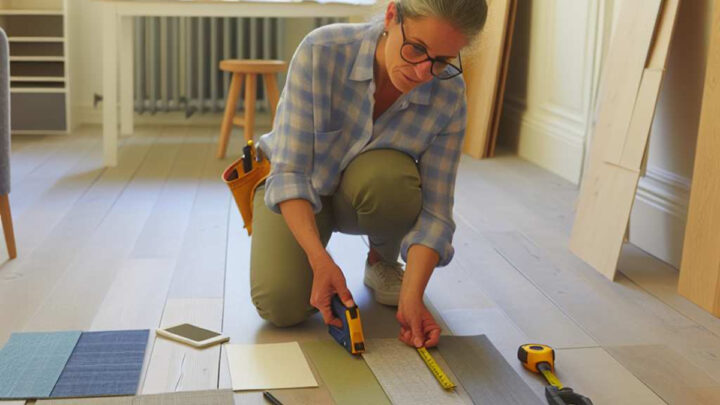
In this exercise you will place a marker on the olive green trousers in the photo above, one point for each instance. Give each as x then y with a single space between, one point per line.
379 196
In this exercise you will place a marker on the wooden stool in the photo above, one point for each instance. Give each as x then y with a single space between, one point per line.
247 70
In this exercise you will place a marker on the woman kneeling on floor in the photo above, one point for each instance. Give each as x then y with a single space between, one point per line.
366 140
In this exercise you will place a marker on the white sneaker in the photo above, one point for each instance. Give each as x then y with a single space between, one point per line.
385 279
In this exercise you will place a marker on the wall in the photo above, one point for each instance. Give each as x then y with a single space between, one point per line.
85 36
657 224
551 82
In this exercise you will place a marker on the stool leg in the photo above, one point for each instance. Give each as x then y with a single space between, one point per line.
273 94
8 226
230 106
250 94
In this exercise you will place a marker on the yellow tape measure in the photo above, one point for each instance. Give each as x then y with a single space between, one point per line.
435 369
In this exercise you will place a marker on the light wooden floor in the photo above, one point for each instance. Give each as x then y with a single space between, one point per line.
157 240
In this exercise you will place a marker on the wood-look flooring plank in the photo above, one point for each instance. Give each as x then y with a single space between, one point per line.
28 153
613 314
26 280
164 230
504 334
136 299
661 280
483 371
668 373
177 367
75 298
597 375
200 271
539 317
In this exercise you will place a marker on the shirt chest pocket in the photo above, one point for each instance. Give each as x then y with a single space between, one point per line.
329 149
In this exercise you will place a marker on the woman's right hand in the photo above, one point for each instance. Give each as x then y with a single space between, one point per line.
328 280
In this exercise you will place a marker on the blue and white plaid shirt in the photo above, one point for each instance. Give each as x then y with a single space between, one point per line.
325 119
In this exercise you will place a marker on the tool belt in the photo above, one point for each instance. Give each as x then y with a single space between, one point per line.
243 185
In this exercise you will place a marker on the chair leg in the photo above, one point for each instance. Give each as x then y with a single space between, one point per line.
250 94
230 106
8 225
273 94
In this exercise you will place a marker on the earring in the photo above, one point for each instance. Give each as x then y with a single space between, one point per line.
384 33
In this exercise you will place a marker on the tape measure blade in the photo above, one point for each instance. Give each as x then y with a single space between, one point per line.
435 369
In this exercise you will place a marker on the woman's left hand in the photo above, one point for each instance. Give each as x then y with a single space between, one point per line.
417 326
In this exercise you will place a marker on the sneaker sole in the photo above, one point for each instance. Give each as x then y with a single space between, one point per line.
382 297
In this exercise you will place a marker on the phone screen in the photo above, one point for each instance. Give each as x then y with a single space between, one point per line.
192 332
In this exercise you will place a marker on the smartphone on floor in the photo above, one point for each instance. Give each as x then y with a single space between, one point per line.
192 335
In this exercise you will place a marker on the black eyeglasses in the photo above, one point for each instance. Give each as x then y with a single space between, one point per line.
416 54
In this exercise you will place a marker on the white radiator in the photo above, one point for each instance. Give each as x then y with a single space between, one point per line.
176 59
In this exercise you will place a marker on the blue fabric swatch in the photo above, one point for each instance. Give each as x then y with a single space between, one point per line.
30 363
104 363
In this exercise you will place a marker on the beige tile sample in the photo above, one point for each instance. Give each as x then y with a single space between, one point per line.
268 366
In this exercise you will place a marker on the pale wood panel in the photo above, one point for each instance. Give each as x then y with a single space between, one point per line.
177 367
667 373
74 300
603 212
663 35
700 266
58 247
621 76
621 132
482 71
500 98
635 145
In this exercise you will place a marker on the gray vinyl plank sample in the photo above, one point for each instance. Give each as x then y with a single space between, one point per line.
483 372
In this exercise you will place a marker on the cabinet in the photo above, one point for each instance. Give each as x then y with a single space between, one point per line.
39 69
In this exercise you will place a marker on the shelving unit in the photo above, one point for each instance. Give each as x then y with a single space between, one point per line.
39 68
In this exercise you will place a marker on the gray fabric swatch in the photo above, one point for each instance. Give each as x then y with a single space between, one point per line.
103 364
30 363
483 372
212 397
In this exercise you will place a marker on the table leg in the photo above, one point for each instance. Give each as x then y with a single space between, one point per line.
110 82
126 75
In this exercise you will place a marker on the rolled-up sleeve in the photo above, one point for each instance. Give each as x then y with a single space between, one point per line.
438 170
292 136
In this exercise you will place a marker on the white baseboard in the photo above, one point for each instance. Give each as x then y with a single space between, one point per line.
657 222
549 141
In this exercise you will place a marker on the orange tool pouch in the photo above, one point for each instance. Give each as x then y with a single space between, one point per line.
243 185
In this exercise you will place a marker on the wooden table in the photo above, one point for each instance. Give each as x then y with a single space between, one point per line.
118 43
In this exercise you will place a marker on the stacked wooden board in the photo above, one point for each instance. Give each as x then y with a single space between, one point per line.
700 266
485 72
631 79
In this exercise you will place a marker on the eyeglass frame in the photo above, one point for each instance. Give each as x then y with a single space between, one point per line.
418 46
